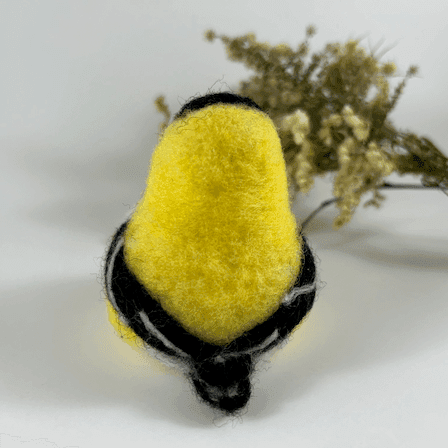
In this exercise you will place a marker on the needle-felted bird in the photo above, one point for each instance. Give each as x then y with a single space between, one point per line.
211 269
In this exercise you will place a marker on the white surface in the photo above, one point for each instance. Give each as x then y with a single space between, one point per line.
77 125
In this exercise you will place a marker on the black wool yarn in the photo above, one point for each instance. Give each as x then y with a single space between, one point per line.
220 373
224 383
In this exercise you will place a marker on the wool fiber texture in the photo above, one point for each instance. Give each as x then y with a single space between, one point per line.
214 238
211 269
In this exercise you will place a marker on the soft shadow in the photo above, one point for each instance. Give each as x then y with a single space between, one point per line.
62 350
383 300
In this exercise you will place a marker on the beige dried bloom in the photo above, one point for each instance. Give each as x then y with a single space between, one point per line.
210 35
305 167
389 68
360 127
361 169
325 132
298 124
378 162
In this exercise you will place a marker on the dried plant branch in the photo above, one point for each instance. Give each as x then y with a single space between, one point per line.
328 202
327 121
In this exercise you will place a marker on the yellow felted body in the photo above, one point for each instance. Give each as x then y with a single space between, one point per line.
213 238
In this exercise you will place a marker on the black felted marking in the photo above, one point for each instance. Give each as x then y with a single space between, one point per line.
214 98
224 385
229 402
224 372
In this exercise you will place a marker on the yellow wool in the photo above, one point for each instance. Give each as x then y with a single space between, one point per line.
125 332
213 237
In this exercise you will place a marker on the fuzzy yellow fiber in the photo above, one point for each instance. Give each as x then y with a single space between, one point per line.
126 333
213 238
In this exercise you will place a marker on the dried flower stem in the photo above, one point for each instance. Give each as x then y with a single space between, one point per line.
385 185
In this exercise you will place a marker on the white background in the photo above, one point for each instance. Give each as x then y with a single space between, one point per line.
78 79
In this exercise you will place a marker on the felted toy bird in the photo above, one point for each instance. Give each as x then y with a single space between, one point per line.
211 269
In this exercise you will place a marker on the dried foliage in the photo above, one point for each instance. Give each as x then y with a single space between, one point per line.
326 122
